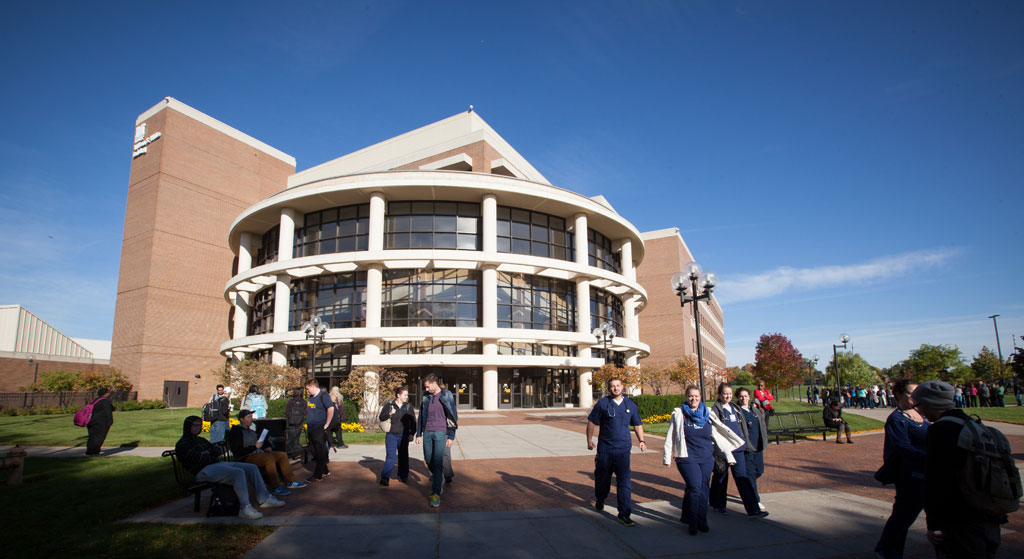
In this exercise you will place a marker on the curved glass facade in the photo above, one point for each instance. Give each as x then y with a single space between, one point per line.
340 229
534 233
599 249
262 318
268 246
430 298
338 299
536 302
605 307
442 225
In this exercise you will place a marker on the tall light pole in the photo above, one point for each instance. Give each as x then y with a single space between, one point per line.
604 334
835 359
315 330
1002 377
708 281
35 377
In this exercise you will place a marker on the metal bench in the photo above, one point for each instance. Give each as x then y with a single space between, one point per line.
796 423
186 480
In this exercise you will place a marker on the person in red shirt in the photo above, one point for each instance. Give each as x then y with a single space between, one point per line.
764 398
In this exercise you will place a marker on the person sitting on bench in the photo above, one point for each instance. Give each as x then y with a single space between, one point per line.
832 415
247 447
198 456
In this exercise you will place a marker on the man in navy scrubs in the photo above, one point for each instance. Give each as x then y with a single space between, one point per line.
614 415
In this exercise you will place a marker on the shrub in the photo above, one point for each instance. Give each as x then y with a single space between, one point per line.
275 408
651 405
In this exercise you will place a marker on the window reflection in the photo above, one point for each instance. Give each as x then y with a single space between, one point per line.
536 302
340 229
534 233
431 298
338 299
440 225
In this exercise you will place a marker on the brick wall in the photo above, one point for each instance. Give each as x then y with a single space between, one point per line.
16 372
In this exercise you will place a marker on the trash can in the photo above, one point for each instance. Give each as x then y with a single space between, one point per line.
277 427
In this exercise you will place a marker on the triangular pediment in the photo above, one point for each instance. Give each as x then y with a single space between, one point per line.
463 142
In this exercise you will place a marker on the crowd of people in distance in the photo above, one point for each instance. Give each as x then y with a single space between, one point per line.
967 395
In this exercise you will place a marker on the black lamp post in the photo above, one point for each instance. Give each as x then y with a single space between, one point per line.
35 377
1002 377
604 334
315 330
835 360
708 280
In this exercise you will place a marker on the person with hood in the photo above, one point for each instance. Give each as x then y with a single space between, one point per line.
692 437
295 418
99 424
200 457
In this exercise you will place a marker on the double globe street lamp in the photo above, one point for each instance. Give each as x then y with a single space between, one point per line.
604 334
686 284
835 360
315 330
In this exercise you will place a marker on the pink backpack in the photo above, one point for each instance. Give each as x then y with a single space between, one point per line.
84 415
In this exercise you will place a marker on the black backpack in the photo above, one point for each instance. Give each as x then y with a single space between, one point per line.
296 414
210 410
223 502
990 481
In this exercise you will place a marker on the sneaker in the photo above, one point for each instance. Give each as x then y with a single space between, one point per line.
281 491
760 514
385 481
271 502
761 506
313 479
625 521
849 441
435 500
599 506
343 446
449 480
296 485
692 529
327 474
249 513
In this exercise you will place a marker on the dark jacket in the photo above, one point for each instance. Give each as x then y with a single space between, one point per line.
448 403
242 442
762 430
102 413
296 406
828 414
194 452
719 411
403 419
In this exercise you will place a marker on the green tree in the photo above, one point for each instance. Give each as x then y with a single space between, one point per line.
371 394
1016 363
853 370
741 376
777 362
986 365
930 362
657 377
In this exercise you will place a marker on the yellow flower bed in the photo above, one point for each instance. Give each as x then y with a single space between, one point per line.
351 428
231 423
658 418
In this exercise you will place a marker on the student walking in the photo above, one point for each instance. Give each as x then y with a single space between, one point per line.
100 423
614 415
693 434
402 426
435 430
732 417
903 463
318 415
757 437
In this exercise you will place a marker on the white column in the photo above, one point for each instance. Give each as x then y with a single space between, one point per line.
282 303
290 219
489 219
245 250
377 205
626 256
489 304
586 391
374 282
631 324
279 355
582 246
242 317
583 306
490 378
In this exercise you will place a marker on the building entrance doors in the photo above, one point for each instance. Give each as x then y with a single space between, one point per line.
176 393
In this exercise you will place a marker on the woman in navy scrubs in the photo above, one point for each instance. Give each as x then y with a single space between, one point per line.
689 441
732 417
757 430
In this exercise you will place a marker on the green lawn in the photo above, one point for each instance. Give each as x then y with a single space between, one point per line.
857 423
1012 413
70 506
160 428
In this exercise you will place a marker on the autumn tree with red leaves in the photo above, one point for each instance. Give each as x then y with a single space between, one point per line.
777 362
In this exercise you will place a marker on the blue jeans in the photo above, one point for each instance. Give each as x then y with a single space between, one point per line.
755 467
433 455
697 475
217 431
905 509
393 445
606 464
238 475
720 485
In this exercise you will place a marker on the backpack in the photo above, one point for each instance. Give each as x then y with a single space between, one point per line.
84 415
210 410
223 502
296 414
990 480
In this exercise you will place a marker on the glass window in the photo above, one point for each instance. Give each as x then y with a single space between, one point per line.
601 253
605 307
338 299
333 361
534 233
525 348
262 318
536 302
340 229
268 248
431 298
432 347
441 225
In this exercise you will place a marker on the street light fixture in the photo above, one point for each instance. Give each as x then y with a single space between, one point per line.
707 281
315 330
604 334
35 377
835 359
1002 377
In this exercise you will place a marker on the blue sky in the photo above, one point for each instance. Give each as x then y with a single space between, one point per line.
843 167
